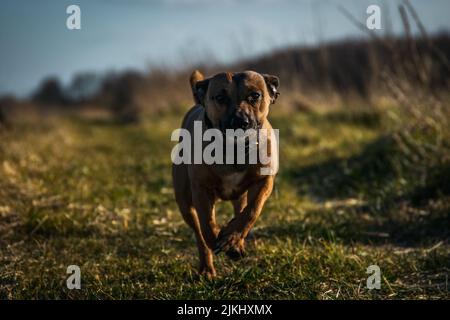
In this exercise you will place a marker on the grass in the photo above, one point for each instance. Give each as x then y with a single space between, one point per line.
76 190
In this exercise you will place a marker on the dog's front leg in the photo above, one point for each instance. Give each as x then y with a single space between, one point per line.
231 237
203 202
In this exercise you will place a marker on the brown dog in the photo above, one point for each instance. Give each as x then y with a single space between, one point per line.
226 101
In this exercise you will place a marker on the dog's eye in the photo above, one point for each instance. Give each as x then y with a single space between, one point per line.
254 96
220 98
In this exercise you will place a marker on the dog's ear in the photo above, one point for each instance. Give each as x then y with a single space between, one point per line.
200 89
199 86
272 83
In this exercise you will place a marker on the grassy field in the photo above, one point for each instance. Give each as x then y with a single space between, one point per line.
350 194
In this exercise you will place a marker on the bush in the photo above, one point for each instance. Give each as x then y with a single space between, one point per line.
50 92
120 95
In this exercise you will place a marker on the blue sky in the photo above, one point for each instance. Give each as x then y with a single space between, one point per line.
120 34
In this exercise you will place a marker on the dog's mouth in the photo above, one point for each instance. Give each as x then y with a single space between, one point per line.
246 141
233 135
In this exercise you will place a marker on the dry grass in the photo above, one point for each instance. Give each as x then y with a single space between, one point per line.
84 190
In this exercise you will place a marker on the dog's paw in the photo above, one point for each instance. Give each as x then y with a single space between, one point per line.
226 241
235 253
208 273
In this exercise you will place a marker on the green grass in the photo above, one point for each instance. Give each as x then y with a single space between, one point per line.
349 194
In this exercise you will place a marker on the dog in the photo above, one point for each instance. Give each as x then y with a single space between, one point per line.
227 101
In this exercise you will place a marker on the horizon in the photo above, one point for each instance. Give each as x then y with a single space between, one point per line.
117 36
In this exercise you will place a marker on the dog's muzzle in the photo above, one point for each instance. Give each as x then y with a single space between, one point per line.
239 121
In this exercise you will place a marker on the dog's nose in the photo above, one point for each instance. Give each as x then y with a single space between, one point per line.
245 123
241 122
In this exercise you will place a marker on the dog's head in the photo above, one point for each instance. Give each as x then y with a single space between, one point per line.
235 100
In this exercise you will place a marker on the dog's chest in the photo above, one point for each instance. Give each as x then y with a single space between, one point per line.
231 184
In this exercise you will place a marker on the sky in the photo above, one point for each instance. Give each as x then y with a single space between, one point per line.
138 34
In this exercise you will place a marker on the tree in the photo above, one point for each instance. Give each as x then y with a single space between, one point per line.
50 92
